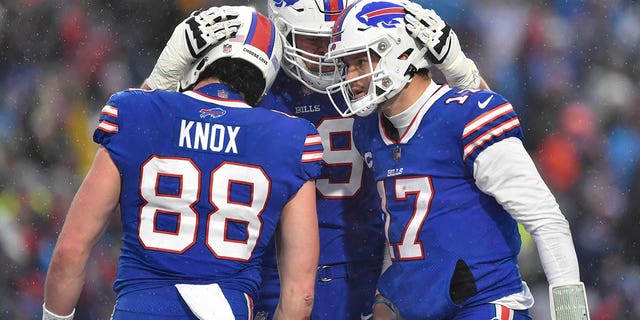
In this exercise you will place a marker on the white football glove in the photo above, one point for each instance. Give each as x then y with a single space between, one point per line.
444 49
568 302
190 40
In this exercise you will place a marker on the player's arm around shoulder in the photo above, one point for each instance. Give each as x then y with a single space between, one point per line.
298 248
86 219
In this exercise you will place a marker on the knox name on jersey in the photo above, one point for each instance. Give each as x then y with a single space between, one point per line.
207 136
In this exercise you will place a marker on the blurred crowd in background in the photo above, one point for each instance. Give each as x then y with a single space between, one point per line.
571 69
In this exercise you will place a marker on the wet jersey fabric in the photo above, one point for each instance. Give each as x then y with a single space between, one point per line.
351 234
437 220
348 205
165 303
204 179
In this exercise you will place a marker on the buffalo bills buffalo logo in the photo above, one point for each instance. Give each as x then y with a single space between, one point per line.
213 113
285 3
381 14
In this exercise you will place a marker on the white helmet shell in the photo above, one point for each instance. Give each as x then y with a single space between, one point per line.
370 26
256 41
311 18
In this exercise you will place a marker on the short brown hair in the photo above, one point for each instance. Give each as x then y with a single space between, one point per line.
240 75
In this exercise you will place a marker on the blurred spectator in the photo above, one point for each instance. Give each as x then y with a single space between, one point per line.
570 68
561 154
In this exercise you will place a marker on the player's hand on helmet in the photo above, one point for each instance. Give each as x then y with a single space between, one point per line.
190 40
426 26
443 46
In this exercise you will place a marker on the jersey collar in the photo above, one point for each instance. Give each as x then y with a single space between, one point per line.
219 91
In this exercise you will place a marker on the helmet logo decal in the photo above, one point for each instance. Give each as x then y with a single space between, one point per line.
285 3
381 14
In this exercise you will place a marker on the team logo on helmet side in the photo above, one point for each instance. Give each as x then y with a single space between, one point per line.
381 14
285 3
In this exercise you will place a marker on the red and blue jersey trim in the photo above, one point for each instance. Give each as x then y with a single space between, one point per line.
488 128
312 148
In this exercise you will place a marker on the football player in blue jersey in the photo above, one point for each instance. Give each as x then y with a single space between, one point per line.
348 206
453 177
351 238
351 231
351 234
203 182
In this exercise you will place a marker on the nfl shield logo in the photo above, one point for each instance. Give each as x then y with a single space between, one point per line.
226 48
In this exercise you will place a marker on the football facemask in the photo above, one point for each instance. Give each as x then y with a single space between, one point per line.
374 27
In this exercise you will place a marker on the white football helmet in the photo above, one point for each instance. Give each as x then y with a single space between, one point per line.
256 41
313 18
374 26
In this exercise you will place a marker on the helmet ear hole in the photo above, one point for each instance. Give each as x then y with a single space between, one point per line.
411 71
201 64
383 46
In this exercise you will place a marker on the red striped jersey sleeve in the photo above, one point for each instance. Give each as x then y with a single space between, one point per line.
312 148
108 119
487 126
311 158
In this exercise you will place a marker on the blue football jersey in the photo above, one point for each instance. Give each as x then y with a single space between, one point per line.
204 180
435 214
347 203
